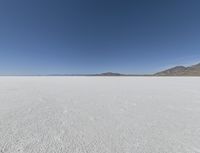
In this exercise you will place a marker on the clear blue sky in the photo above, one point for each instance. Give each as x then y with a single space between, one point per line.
94 36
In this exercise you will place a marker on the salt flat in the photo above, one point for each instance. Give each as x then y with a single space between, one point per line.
99 115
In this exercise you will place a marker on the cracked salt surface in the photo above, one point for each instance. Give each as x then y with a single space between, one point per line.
99 115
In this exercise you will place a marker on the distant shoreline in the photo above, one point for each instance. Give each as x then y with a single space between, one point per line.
98 76
177 71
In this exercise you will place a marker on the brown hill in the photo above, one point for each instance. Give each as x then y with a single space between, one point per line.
193 70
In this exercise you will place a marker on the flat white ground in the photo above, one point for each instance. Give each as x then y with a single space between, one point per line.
99 115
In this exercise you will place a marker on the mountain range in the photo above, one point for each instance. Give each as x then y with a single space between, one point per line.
193 70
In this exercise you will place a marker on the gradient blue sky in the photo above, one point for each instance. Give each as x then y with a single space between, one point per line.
94 36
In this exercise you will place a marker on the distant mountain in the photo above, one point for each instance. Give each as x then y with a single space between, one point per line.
110 74
120 74
99 74
193 70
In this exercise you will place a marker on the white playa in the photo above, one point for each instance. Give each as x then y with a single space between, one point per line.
99 115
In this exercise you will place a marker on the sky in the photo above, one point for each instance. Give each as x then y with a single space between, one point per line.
94 36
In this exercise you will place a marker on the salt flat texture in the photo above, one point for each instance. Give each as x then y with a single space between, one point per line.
99 115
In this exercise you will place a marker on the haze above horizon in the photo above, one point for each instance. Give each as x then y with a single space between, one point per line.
94 36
